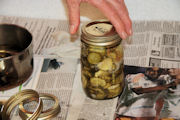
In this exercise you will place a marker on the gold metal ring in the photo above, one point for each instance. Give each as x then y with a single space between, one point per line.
50 113
37 112
2 102
19 97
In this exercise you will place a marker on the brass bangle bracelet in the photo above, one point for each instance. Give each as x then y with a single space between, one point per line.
16 99
50 113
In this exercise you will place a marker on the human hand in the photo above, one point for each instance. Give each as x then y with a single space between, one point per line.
114 10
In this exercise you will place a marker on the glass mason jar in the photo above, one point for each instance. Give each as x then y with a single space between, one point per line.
102 73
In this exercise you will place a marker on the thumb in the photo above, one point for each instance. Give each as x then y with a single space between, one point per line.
74 15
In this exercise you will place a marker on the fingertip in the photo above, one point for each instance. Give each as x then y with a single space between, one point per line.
72 29
121 29
74 26
129 28
130 32
74 15
123 34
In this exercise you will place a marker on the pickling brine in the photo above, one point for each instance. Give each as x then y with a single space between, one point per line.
101 61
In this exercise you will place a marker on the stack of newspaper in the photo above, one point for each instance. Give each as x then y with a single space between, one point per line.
150 92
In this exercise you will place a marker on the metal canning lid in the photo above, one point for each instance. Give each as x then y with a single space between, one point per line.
49 113
16 99
100 33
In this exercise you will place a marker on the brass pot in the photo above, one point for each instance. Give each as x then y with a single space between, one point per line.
16 56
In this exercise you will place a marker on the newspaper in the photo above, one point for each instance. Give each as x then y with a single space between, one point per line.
59 82
154 43
84 108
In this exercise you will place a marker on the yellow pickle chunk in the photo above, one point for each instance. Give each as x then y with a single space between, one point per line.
94 58
107 85
97 82
112 55
98 93
106 65
100 50
114 90
87 73
103 75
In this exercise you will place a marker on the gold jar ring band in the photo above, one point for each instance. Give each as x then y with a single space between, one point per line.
50 113
16 99
2 102
37 112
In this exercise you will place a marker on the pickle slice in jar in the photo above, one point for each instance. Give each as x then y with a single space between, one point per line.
107 78
94 58
119 79
86 68
100 50
114 67
107 85
112 55
84 51
106 65
95 82
114 90
120 69
84 81
113 78
85 62
116 54
103 75
100 96
98 93
87 73
119 53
